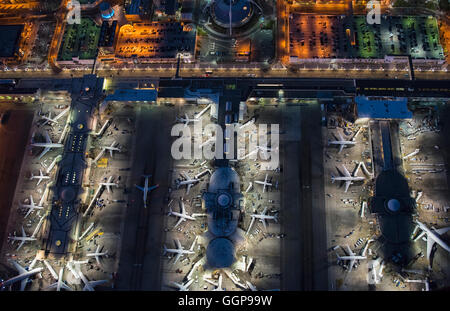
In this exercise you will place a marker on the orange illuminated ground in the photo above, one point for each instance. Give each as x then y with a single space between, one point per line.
152 40
444 30
311 36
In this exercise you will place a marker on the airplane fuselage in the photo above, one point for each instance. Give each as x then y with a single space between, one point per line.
21 277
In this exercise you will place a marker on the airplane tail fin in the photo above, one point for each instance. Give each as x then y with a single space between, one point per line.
164 250
147 176
332 179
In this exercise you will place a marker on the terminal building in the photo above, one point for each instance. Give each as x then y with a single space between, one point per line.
223 203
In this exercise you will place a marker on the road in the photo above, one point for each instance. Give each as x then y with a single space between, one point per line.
140 262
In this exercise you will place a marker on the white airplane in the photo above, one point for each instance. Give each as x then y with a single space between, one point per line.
60 283
263 217
112 148
24 238
108 184
218 284
146 188
89 285
263 150
183 216
341 142
251 286
186 120
433 237
182 287
189 182
347 178
264 183
47 145
180 251
352 257
55 119
31 207
41 176
97 254
23 276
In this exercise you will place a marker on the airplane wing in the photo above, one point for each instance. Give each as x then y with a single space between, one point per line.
346 172
61 114
152 187
46 149
352 262
183 209
347 184
441 231
23 284
23 232
340 136
111 152
188 188
430 243
29 212
180 220
264 211
177 242
341 147
139 187
186 176
97 259
349 251
177 257
47 137
18 267
21 243
66 287
263 221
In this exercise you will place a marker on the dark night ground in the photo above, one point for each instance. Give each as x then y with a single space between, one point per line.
13 139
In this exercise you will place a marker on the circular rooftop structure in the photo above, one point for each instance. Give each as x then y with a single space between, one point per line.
224 199
393 205
220 253
222 178
67 194
238 12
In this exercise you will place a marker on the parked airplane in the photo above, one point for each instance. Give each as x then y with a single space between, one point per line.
264 183
23 276
112 148
218 284
31 207
433 237
24 238
341 142
183 216
47 145
182 287
347 178
41 176
352 257
89 285
60 283
55 119
186 120
263 151
189 182
97 254
108 184
179 251
262 218
146 188
251 286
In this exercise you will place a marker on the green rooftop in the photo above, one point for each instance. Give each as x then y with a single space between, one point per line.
80 40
